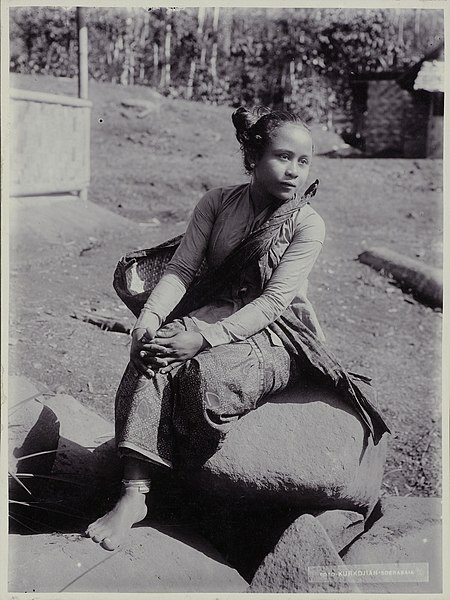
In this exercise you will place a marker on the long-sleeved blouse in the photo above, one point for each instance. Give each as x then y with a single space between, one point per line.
220 221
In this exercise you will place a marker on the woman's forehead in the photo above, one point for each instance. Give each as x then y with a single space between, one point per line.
292 135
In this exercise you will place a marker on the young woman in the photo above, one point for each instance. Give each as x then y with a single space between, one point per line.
206 350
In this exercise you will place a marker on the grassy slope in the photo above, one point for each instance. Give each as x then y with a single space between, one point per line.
158 166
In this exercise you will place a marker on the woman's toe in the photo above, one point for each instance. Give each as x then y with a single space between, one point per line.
93 526
110 543
98 537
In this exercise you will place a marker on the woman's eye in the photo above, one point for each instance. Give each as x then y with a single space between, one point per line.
304 161
284 156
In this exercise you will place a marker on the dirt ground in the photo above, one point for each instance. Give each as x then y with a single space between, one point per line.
152 169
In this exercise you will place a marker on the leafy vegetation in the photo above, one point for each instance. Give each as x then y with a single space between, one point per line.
278 57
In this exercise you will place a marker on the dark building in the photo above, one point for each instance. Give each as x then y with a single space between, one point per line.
401 113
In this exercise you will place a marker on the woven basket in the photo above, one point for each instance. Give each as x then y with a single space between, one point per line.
137 273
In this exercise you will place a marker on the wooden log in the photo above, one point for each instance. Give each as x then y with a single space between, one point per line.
423 281
105 322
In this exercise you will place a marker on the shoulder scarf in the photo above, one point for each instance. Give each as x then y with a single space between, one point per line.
297 338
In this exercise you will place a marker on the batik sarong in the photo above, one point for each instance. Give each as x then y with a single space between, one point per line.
181 418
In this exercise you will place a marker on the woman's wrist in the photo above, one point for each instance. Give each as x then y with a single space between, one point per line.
147 320
204 342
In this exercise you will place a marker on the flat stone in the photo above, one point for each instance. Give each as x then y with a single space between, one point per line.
305 447
83 435
303 545
409 531
32 429
152 560
73 435
73 465
22 390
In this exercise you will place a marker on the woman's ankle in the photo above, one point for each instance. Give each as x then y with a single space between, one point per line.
141 486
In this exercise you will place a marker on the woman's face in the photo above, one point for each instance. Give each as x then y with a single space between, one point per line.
284 167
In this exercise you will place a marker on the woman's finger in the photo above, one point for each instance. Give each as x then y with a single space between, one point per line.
155 361
157 349
143 368
166 333
172 366
172 360
163 341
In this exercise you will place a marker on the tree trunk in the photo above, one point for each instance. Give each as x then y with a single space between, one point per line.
401 17
167 44
227 20
214 47
190 84
155 63
417 23
201 22
142 46
192 69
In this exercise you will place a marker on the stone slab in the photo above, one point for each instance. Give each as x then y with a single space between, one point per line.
151 561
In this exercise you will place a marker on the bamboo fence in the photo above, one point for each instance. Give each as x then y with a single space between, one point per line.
50 144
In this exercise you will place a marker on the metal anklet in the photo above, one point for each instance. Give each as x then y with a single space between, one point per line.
141 485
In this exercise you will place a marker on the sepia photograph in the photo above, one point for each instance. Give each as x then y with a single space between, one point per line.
222 299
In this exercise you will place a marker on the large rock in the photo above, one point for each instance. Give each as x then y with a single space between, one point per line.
304 545
342 526
153 560
409 531
305 447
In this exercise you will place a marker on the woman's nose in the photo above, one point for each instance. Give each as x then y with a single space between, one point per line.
292 169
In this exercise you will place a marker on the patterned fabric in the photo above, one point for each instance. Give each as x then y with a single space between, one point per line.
295 335
183 417
138 272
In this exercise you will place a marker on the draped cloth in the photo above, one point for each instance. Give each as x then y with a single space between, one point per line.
181 418
312 354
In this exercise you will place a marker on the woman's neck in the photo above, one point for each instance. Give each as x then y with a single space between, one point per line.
260 199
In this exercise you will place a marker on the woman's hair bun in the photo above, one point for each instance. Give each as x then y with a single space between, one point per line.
243 119
254 129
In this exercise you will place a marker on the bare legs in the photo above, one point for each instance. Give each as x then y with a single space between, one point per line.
112 528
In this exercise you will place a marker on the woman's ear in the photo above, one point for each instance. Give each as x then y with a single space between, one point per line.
252 161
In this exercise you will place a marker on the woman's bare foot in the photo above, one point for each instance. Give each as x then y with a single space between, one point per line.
111 529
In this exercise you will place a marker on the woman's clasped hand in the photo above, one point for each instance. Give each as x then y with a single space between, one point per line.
165 350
